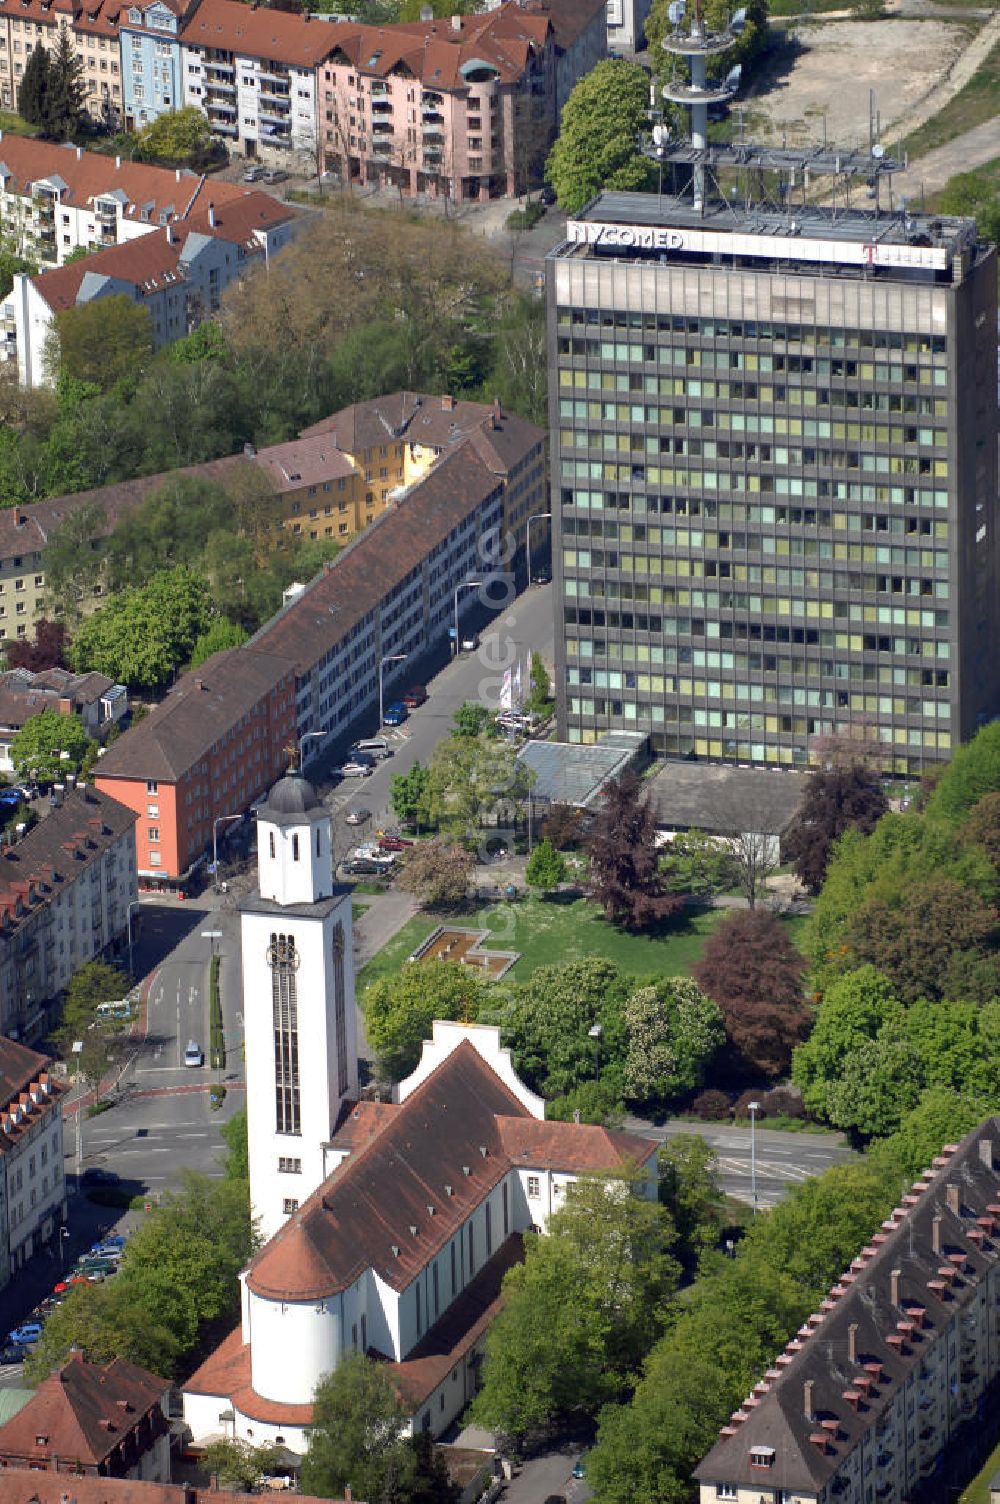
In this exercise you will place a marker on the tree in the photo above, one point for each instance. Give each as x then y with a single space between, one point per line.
66 101
47 651
73 559
472 779
540 697
689 1190
916 937
699 864
975 194
357 1425
101 341
238 1464
408 795
546 867
598 135
981 827
547 1020
673 1032
562 825
753 971
49 746
145 633
33 90
854 1011
581 1311
518 374
399 1010
835 801
175 136
234 1134
438 873
219 635
939 1117
881 1081
973 771
755 856
624 860
473 719
87 988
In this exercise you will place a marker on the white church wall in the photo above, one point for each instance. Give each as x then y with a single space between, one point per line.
486 1041
294 1344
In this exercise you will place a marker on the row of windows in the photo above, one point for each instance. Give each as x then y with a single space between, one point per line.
638 475
729 359
768 632
732 329
933 743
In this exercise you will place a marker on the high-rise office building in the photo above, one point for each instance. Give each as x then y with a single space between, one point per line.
774 469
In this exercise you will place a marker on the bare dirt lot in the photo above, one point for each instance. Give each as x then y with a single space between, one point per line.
834 64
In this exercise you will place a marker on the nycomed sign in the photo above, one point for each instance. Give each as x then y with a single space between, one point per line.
666 240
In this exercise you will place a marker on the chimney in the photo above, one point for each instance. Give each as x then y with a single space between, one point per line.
936 1235
348 1496
808 1400
1 135
985 1144
20 518
170 235
456 23
118 163
178 172
447 403
852 1342
211 215
79 154
427 13
894 1279
953 1196
249 451
199 684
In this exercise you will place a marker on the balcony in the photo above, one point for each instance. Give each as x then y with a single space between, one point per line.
430 98
381 106
275 116
431 134
225 127
432 114
45 211
274 76
219 86
221 65
278 95
379 90
381 128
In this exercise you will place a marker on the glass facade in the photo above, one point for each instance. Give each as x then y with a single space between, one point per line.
773 508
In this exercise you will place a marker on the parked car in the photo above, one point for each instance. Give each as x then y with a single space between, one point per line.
194 1055
393 843
358 816
542 576
364 866
371 747
395 714
417 695
275 175
355 767
65 1285
547 195
254 174
113 1240
469 643
96 1176
580 1466
13 1352
26 1334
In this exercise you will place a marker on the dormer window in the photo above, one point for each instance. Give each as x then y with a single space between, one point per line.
135 16
761 1456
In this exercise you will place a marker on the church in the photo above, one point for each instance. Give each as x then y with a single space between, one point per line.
389 1225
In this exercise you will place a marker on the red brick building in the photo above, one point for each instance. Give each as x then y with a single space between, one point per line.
215 743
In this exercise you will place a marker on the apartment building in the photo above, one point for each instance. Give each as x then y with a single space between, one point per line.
178 275
213 746
58 199
464 108
866 1399
152 67
65 888
393 591
401 1252
252 70
93 27
581 35
626 24
774 479
32 1182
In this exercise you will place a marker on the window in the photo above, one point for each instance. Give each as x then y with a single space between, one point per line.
153 832
289 1166
154 859
270 841
761 1456
153 810
295 847
472 1250
289 1205
726 1491
152 787
283 961
534 1187
340 1008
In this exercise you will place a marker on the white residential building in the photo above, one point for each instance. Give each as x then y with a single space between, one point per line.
32 1183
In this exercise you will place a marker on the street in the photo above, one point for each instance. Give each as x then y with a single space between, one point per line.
783 1158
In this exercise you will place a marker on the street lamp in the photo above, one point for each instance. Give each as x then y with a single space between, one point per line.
78 1051
304 738
128 921
219 820
753 1108
535 517
594 1032
392 658
465 585
63 1235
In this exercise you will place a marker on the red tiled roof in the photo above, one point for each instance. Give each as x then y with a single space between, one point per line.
362 1123
21 1486
226 1373
148 264
304 462
89 174
436 51
259 32
576 1148
85 1412
236 219
19 1066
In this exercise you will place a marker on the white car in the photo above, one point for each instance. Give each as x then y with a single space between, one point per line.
194 1055
355 767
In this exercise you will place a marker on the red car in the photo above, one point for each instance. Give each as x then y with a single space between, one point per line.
64 1284
415 696
393 843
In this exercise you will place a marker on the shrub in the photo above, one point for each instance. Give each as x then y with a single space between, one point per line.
783 1102
741 1107
712 1106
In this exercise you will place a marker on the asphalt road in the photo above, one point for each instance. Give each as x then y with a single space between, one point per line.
783 1159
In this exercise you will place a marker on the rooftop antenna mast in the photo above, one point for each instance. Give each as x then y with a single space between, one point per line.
696 45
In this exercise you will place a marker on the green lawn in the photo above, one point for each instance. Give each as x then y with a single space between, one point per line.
978 1491
971 106
392 955
15 126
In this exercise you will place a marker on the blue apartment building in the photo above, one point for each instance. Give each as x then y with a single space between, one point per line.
151 59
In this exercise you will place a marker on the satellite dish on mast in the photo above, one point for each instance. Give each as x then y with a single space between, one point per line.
739 20
878 151
659 135
733 78
675 12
